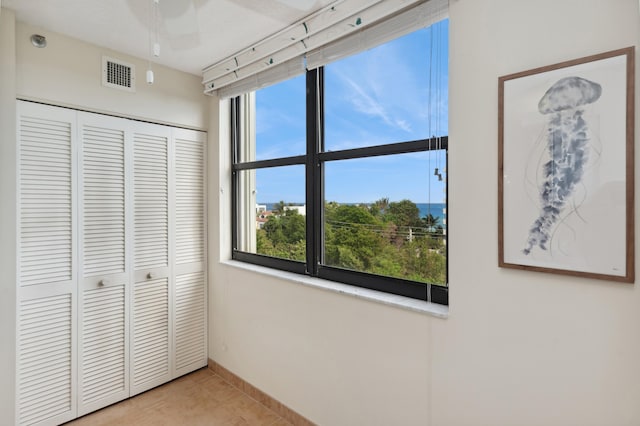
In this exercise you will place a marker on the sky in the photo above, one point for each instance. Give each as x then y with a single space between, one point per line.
384 95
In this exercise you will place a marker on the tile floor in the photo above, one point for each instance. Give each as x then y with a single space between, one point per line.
199 398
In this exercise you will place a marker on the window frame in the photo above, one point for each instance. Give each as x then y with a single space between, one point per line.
314 161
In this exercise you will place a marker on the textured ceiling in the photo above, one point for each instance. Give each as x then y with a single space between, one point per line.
193 33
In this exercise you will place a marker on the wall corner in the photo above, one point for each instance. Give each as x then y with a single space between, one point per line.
8 185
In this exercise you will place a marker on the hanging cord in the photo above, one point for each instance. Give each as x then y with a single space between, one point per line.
156 27
438 105
151 29
429 112
154 38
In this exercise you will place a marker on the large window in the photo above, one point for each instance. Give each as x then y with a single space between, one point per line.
341 173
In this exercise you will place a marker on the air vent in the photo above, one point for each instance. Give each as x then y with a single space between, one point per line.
118 74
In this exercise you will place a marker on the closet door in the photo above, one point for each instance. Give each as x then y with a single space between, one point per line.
190 292
151 319
46 340
103 323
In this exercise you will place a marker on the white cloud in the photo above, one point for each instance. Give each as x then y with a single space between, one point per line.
391 85
364 103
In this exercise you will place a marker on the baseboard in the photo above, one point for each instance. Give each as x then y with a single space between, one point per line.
276 406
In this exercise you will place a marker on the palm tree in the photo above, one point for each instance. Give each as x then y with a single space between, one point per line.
431 222
279 207
380 206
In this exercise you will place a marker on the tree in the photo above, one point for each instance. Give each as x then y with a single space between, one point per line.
368 238
347 213
279 207
379 207
293 226
431 222
422 263
273 228
403 213
353 241
264 245
289 227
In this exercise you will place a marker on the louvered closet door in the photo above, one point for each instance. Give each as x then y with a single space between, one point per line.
190 333
46 341
103 322
151 324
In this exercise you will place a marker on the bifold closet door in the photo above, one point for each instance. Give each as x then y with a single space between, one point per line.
111 260
190 291
103 327
151 308
46 337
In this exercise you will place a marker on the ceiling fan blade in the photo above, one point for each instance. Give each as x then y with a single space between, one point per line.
179 17
298 4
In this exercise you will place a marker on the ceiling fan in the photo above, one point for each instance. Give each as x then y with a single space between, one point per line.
178 19
298 4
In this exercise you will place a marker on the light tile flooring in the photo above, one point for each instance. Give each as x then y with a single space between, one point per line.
199 398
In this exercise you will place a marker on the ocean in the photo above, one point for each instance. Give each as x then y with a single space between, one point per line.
436 209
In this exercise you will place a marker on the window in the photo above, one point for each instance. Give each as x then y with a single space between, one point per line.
341 173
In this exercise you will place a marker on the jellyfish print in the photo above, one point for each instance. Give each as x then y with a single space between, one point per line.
568 148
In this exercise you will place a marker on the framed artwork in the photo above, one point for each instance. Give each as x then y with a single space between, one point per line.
566 169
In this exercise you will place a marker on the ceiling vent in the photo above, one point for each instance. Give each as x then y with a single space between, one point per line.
118 74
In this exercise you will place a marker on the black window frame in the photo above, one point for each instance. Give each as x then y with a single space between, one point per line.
314 161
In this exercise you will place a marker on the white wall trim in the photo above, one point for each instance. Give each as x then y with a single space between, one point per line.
110 113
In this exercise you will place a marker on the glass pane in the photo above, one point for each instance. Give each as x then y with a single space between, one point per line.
281 120
272 214
387 216
393 93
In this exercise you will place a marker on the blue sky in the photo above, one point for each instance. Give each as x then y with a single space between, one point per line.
384 95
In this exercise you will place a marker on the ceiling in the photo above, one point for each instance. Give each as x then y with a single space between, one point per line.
192 33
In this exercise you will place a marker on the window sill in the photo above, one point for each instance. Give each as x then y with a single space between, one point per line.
407 303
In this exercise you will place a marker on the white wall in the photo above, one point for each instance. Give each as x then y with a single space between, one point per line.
68 72
519 348
7 214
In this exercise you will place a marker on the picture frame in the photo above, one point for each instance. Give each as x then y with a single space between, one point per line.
566 168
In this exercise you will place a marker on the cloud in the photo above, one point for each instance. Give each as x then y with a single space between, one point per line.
366 104
404 125
399 89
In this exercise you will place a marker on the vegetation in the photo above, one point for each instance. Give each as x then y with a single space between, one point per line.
385 238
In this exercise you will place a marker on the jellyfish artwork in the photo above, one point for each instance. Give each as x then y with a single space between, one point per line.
568 147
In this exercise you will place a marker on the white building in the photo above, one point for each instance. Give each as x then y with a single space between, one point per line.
301 209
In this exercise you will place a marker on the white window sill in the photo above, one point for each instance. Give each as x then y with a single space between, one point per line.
420 306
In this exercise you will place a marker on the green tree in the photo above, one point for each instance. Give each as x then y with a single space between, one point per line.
348 213
368 238
403 213
264 245
283 236
293 226
379 207
351 240
431 222
279 207
274 230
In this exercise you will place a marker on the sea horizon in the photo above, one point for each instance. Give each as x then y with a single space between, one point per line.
435 209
